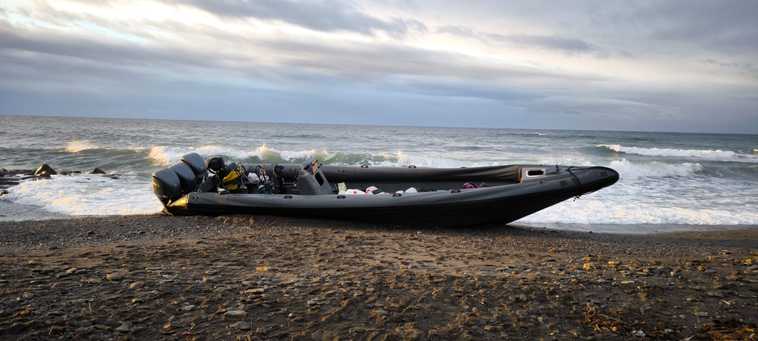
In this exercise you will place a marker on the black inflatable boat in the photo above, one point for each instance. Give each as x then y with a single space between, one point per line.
442 196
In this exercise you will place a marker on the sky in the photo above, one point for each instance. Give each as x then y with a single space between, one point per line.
689 65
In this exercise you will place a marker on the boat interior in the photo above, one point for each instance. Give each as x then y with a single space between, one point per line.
314 179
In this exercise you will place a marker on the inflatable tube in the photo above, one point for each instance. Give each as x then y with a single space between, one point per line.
452 196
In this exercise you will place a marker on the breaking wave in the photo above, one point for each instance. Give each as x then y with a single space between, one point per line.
704 154
87 195
76 146
631 170
165 155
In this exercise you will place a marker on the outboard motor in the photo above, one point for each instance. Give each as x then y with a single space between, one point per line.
182 178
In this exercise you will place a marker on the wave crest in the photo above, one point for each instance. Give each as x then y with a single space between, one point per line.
76 146
630 170
704 154
166 155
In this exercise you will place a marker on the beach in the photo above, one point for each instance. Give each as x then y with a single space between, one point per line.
255 277
378 170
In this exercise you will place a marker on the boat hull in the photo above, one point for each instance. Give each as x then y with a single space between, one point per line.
502 203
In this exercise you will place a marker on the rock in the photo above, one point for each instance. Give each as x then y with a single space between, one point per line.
241 325
56 330
115 276
125 327
255 291
409 331
91 280
97 171
102 327
66 273
638 333
188 307
137 285
45 170
235 313
84 330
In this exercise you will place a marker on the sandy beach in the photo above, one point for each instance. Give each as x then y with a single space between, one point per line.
246 278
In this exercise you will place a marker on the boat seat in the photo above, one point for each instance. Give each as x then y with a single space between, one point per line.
311 182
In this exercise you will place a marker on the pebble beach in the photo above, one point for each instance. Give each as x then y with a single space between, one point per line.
250 278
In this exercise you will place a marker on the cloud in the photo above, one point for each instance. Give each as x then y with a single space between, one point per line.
728 26
496 64
550 42
320 15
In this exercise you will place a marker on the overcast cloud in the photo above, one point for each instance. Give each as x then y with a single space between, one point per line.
658 65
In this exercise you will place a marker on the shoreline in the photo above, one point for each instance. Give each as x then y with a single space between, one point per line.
66 231
154 276
29 213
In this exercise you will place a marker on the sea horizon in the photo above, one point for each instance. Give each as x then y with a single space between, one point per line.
128 118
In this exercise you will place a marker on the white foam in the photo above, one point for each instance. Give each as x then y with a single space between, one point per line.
630 170
76 146
592 210
87 195
404 159
321 154
162 155
265 152
165 155
704 154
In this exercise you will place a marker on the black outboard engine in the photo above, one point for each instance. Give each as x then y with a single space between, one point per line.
174 182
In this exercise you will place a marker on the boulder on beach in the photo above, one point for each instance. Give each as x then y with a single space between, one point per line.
45 170
97 170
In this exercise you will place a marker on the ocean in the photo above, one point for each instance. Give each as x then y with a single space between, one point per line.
668 180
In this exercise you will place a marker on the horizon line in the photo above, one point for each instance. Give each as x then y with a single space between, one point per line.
372 124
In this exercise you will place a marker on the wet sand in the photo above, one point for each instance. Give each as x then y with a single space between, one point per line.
159 277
